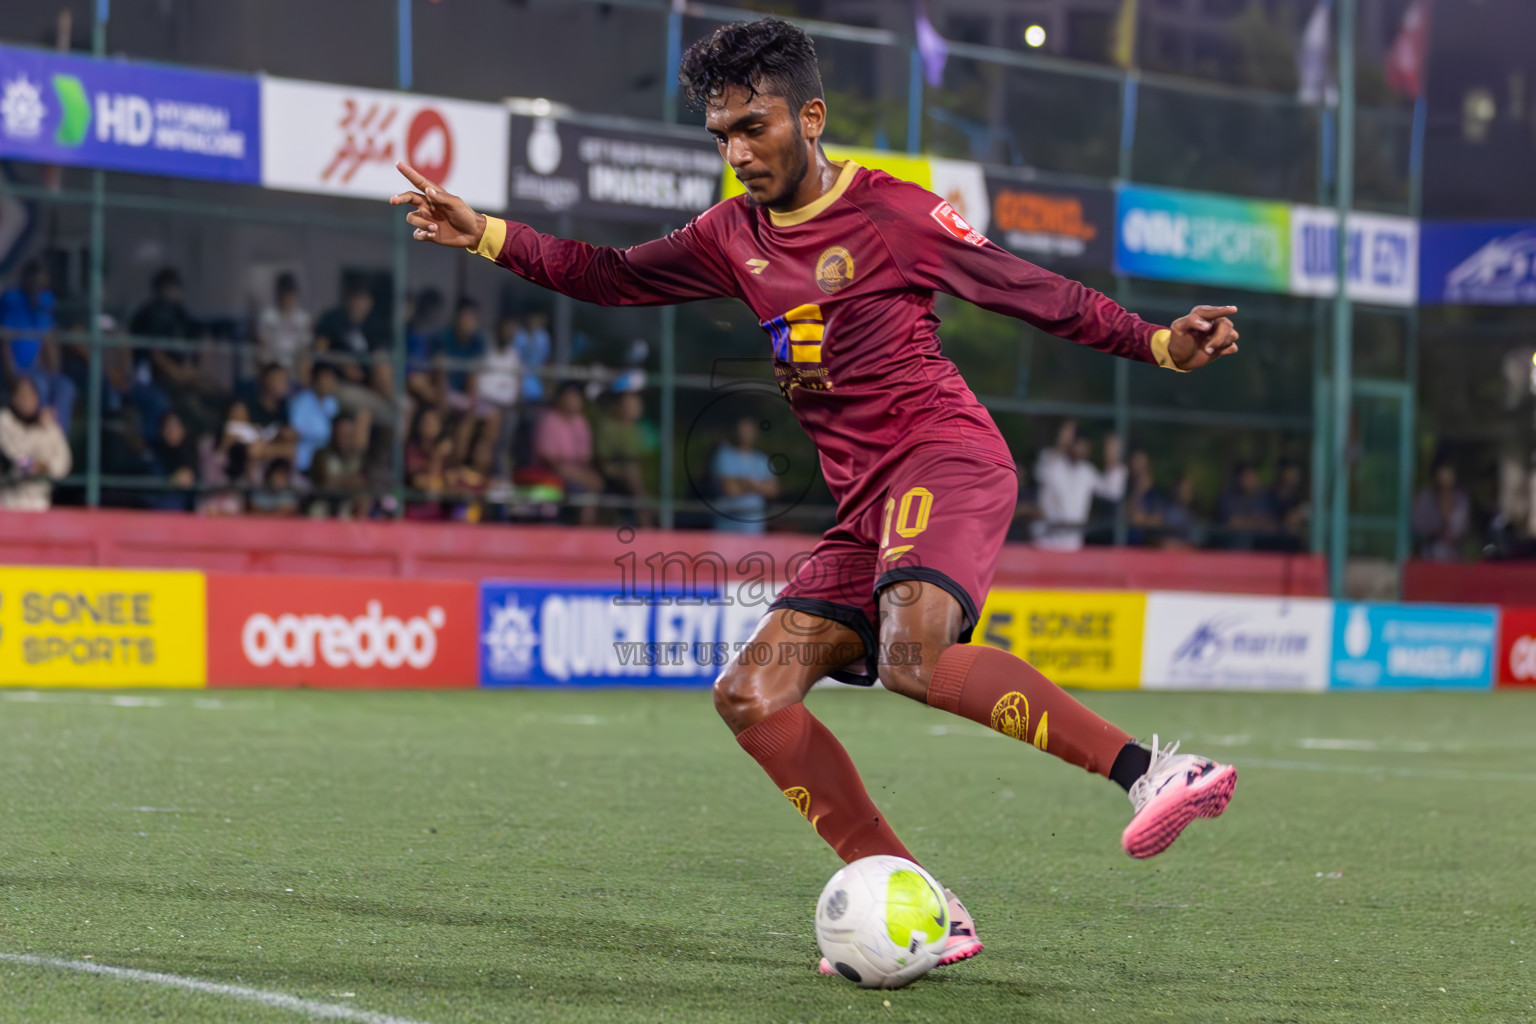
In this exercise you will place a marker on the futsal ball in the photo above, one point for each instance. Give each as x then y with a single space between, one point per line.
882 922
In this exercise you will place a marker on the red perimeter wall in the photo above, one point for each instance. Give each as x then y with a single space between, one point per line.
451 551
1510 583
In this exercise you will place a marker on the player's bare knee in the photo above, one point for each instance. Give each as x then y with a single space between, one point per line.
741 697
907 668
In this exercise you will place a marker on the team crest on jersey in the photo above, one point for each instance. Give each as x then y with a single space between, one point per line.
834 269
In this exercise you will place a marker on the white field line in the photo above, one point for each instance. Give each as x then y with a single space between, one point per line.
277 1000
1442 774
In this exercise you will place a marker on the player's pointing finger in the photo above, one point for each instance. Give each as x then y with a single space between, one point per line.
1213 312
414 176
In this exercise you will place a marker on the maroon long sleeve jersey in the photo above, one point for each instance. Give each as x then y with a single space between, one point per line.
845 289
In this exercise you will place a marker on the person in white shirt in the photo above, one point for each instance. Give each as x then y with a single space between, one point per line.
284 332
1069 481
499 385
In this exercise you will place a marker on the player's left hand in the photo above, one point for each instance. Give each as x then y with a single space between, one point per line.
1204 336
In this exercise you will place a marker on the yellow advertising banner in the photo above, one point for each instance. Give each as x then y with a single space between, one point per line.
1090 639
102 627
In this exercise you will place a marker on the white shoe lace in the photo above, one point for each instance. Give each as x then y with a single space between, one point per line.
1157 769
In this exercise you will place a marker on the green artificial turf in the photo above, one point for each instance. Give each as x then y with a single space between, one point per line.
506 856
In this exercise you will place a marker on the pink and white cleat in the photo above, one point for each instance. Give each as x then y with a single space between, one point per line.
963 943
1177 789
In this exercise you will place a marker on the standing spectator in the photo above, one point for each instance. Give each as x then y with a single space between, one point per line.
744 481
1247 511
340 474
174 460
310 413
26 315
1440 515
622 443
499 386
350 334
33 451
563 444
283 331
1069 481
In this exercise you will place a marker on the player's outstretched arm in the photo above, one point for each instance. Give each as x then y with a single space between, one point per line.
684 265
1204 336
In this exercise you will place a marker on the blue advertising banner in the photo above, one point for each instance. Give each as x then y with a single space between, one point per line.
1169 235
118 116
1477 263
563 634
1400 646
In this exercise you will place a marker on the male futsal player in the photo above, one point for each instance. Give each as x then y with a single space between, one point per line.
841 263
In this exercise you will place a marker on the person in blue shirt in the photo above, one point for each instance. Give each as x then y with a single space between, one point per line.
27 319
533 349
459 349
744 481
311 413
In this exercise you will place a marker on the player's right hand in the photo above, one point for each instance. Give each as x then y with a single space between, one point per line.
436 215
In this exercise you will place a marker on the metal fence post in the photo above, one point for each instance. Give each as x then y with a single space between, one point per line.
1343 309
94 287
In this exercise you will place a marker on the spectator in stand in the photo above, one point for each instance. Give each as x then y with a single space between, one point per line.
421 330
744 481
1180 523
1246 511
533 348
1440 515
1144 503
622 443
267 411
276 495
499 386
428 459
1069 481
26 317
357 346
457 353
563 444
472 481
339 473
33 450
284 333
174 460
310 413
1289 496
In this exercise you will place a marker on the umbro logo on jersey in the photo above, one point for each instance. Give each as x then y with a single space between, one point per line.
757 266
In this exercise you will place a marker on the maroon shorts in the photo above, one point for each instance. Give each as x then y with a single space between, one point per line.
941 518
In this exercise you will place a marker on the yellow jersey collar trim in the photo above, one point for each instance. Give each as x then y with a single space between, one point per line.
832 195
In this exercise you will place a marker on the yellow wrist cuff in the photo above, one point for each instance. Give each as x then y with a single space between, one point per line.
495 237
1160 342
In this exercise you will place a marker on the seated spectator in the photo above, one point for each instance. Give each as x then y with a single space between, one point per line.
310 413
472 482
744 481
563 444
226 466
533 346
276 495
1289 496
267 410
1069 481
621 444
174 459
358 348
457 353
499 387
1180 529
428 459
33 450
1246 511
26 317
422 327
284 333
339 473
175 371
1440 515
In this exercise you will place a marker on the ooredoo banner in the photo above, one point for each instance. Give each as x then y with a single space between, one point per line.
344 141
121 116
1077 638
339 632
1228 642
1517 647
101 627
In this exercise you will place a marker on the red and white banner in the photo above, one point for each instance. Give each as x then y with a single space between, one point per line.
345 141
338 632
1517 647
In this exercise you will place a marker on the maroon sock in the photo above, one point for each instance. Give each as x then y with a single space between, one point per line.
804 759
1005 693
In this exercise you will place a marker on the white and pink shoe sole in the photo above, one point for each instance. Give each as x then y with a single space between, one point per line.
1159 823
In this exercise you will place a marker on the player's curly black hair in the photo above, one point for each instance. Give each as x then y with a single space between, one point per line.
768 56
